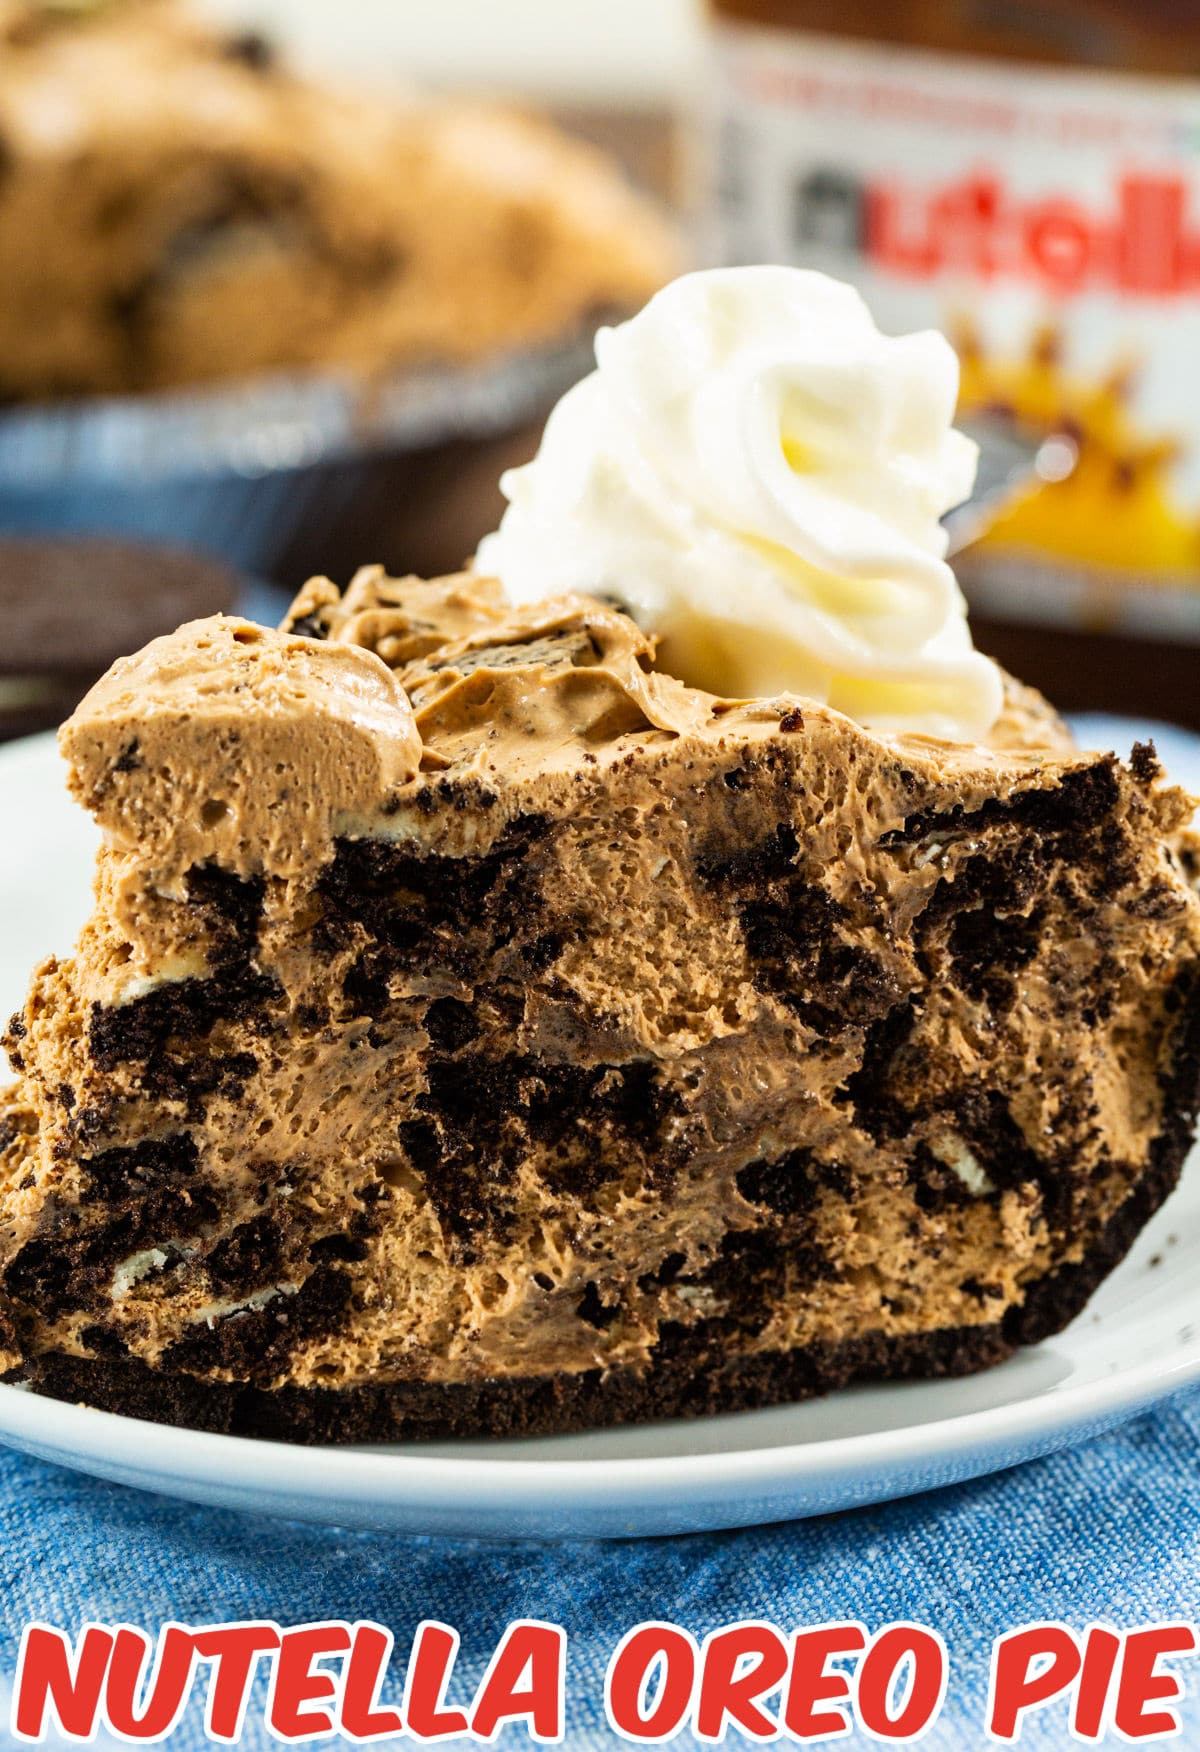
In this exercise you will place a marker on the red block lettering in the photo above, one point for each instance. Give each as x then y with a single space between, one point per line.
296 1685
369 1655
650 1648
1140 1685
234 1649
920 1656
1100 1650
166 1692
525 1681
48 1680
434 1650
739 1667
811 1684
1030 1667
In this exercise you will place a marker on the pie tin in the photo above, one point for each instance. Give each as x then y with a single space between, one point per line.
286 475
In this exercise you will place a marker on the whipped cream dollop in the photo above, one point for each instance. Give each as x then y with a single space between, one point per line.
758 475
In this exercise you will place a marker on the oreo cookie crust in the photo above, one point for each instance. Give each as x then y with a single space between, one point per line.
479 1030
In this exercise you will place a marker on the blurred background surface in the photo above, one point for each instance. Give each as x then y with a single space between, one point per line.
1028 179
628 53
624 73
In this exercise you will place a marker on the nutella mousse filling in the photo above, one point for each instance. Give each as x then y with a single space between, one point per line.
480 1028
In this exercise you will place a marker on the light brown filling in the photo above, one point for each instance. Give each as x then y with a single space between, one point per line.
656 1022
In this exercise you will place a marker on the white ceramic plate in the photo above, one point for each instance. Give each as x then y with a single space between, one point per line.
1138 1341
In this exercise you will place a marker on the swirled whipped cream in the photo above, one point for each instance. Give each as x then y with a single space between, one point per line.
758 475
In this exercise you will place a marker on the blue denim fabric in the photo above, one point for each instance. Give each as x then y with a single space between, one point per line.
1108 1530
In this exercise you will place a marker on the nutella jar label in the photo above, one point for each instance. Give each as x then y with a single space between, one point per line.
1049 222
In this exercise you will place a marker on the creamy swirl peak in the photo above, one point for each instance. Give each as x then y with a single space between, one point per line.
758 475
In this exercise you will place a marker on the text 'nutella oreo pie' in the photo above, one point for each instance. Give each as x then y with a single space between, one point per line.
70 606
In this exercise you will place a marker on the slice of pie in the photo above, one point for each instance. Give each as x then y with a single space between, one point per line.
177 205
481 1030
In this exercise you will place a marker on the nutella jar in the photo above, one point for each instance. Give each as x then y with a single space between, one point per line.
1025 177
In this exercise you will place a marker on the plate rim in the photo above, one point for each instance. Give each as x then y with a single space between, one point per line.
272 1476
1056 1410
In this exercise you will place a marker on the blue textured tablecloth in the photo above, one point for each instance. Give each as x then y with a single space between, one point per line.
1108 1530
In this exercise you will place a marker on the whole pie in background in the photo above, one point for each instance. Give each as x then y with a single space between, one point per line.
177 206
